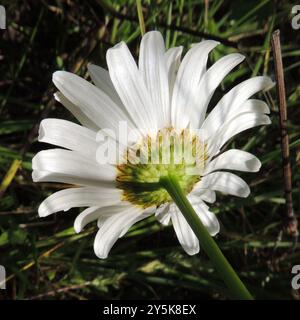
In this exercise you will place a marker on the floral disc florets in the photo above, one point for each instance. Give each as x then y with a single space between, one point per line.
180 153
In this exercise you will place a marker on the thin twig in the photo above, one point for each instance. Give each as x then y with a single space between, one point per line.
61 290
290 220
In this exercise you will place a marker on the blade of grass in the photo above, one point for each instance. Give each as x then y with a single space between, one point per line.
140 16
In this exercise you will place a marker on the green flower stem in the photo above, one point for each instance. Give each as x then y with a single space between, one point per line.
231 279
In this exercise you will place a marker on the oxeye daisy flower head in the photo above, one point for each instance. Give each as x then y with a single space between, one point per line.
163 101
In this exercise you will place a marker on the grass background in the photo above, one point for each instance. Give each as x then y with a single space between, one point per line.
44 258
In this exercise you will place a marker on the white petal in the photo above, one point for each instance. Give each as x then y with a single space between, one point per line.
68 135
94 213
86 216
251 106
71 178
254 105
94 103
191 70
101 79
173 56
229 105
145 214
131 87
185 234
78 197
109 211
153 67
162 214
202 194
208 196
207 217
71 163
113 227
225 182
234 126
208 84
234 160
76 111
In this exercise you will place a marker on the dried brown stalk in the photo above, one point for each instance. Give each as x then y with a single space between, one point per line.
290 220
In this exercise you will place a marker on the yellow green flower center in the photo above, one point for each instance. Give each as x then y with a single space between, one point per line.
169 152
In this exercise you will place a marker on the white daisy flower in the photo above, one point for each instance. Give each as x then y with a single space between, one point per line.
161 95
